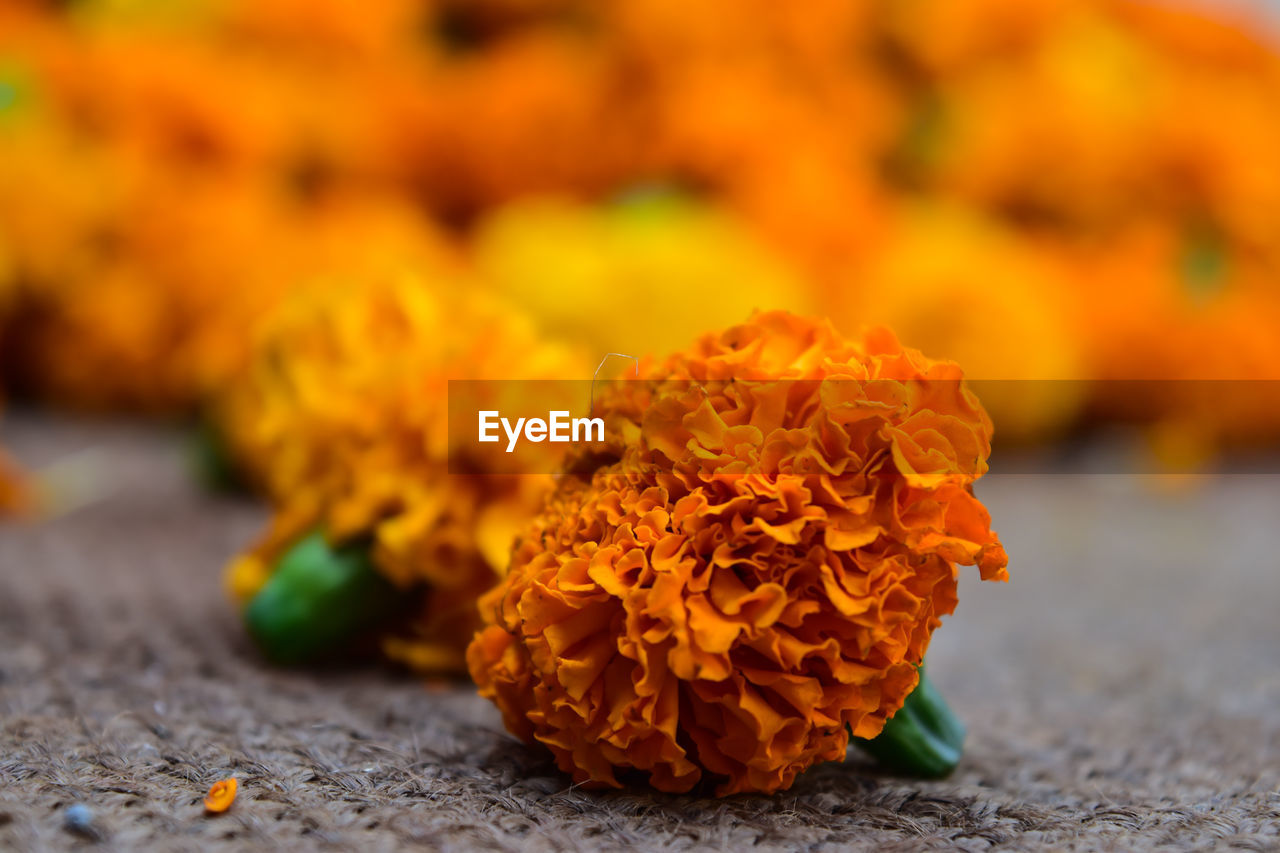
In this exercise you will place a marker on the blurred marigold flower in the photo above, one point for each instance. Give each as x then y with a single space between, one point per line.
1215 383
756 569
1107 143
949 278
342 418
614 275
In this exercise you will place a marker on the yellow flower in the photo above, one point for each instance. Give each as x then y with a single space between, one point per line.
756 568
342 418
639 276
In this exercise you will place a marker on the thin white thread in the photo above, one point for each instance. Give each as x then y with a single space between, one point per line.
591 403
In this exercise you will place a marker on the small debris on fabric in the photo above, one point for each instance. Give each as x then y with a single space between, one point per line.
220 796
79 820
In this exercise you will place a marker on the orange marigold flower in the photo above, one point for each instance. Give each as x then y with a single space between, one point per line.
221 796
756 568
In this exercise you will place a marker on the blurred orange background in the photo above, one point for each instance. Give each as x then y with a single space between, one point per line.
1043 190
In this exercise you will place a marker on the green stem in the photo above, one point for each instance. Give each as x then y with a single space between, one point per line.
923 739
318 599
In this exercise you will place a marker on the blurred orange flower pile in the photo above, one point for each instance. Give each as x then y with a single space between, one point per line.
757 571
173 169
169 173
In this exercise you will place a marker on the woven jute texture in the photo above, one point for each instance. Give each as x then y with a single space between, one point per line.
1122 692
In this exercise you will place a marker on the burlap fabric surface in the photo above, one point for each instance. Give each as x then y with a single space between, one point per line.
1123 691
